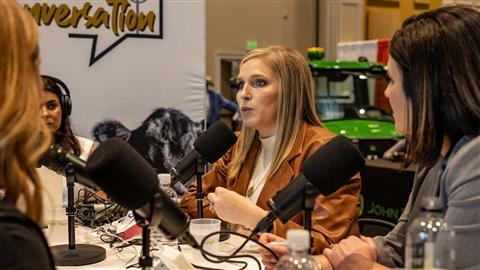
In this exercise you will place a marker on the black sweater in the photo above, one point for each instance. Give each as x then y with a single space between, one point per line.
22 243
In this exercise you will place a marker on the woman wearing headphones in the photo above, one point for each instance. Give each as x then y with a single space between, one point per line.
56 110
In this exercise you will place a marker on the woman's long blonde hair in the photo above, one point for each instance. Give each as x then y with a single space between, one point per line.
296 104
23 134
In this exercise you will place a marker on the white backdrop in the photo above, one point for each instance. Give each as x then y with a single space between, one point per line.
139 74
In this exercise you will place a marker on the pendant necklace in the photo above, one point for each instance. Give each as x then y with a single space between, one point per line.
251 190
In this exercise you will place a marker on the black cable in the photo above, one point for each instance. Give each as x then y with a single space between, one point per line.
242 245
228 259
85 204
233 255
245 264
129 243
110 239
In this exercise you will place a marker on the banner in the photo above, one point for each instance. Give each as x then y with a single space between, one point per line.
128 64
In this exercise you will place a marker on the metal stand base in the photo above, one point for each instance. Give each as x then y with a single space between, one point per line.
81 255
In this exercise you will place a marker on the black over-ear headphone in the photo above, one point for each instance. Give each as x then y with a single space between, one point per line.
65 100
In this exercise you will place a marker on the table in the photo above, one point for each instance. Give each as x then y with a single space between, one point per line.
129 255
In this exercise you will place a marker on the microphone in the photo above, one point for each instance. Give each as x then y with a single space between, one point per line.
56 158
329 168
209 146
124 175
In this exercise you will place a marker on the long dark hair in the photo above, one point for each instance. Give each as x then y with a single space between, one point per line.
438 54
64 135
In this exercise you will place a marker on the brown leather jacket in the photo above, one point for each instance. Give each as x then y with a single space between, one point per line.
333 217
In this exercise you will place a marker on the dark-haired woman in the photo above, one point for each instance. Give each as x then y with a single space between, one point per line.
59 122
56 114
434 90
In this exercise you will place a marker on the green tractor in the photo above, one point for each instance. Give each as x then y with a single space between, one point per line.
345 97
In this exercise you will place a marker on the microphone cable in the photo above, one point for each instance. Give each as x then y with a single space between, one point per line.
227 258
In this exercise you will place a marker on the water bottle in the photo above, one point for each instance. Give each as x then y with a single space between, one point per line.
298 259
430 240
165 181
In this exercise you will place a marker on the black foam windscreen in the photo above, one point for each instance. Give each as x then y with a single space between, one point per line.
333 164
218 135
328 169
123 173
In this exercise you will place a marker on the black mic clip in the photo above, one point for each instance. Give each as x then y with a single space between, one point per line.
176 175
264 223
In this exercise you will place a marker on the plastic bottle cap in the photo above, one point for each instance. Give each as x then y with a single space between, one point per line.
164 178
432 203
298 239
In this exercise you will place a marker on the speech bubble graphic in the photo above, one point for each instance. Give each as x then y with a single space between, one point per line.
122 18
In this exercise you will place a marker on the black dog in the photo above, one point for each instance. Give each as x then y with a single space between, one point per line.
163 139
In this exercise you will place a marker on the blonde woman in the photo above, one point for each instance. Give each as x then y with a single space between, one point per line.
23 138
280 130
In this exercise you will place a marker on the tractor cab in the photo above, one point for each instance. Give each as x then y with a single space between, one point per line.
345 93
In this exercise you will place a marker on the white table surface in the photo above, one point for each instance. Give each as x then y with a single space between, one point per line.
121 259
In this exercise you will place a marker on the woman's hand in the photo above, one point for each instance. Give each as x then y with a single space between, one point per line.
235 208
268 259
363 246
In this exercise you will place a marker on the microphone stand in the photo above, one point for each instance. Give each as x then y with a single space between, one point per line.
199 171
145 261
72 254
311 193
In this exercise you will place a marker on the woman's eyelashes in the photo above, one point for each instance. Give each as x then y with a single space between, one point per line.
255 83
240 85
259 83
52 106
